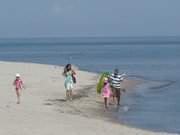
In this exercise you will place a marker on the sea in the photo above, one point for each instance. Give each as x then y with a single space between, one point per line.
152 105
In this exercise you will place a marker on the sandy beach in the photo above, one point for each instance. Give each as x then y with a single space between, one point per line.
44 111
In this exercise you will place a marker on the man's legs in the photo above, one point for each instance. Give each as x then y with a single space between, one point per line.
113 94
118 95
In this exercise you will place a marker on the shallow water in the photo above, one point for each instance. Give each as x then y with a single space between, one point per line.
154 105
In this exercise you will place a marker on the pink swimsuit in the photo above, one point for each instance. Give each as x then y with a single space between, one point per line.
106 91
18 83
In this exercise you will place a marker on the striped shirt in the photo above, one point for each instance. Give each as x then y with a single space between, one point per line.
116 80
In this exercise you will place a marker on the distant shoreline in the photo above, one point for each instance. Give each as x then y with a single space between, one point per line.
96 40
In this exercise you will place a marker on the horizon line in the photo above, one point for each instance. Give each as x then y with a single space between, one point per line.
85 37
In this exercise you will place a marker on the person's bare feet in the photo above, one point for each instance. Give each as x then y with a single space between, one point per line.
18 101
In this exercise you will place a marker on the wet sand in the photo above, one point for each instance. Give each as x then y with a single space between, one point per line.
44 110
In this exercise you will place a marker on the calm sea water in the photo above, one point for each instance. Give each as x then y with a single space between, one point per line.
154 105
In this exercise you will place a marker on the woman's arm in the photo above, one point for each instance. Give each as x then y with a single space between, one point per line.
73 72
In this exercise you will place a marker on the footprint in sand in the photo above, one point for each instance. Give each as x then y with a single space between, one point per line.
8 106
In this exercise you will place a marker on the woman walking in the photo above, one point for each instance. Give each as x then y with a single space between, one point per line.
69 73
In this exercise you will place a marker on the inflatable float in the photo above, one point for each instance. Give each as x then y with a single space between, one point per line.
101 81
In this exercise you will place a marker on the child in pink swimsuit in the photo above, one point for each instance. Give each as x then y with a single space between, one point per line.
106 91
18 83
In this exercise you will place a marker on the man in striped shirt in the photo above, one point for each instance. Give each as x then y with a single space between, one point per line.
116 80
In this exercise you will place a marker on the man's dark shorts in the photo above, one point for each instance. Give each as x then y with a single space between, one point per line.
116 91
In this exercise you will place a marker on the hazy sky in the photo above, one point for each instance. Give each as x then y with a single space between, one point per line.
62 18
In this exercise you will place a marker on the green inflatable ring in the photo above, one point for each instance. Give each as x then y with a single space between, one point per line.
101 82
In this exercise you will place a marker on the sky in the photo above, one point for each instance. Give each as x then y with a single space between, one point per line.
89 18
